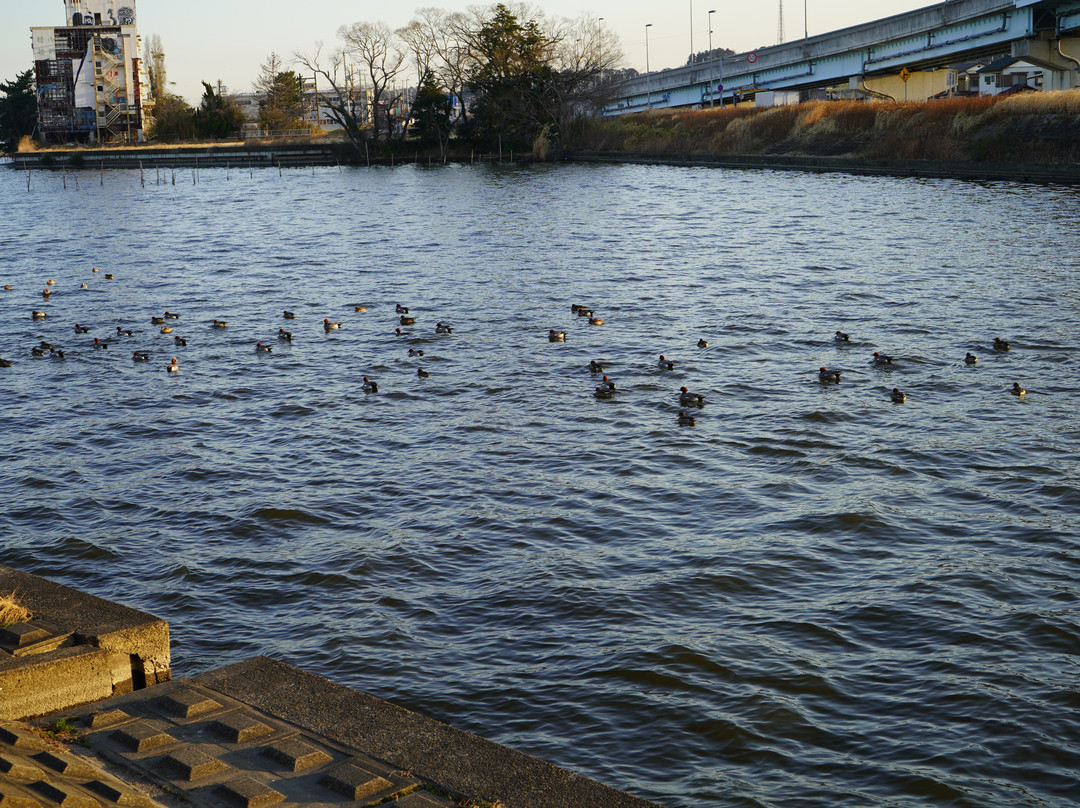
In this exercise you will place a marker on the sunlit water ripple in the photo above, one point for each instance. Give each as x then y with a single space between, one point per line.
812 597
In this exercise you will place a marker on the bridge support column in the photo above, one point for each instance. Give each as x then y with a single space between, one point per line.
1045 49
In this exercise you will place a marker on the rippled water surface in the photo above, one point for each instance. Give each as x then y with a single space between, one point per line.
812 597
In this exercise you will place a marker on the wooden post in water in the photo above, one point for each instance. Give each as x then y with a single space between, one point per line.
174 176
101 171
142 177
367 157
251 173
226 170
28 180
196 167
64 173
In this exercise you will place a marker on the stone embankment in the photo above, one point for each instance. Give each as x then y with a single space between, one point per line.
89 716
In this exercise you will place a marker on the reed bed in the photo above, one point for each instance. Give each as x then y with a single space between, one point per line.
1025 128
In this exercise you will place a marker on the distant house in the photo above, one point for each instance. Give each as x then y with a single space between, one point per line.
967 77
1017 73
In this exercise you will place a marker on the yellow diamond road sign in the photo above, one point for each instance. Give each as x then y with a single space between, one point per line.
905 74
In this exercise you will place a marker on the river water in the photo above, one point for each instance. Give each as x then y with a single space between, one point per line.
811 597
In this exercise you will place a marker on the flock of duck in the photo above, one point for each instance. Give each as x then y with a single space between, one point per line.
167 322
606 389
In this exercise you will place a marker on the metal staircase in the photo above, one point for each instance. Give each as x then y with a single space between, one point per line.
113 109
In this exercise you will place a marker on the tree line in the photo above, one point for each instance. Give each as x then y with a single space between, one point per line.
502 73
496 75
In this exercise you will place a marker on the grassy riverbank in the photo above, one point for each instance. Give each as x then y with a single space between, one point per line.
1032 128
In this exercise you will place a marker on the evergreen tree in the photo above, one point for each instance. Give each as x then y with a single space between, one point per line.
18 110
512 80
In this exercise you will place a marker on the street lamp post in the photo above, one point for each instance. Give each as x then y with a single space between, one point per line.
712 90
691 31
648 73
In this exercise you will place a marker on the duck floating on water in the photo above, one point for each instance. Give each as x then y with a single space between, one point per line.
702 343
56 353
556 336
829 376
166 329
897 396
688 399
99 344
583 312
46 292
443 328
607 383
288 315
172 367
881 359
576 307
330 325
37 315
5 363
181 341
401 309
595 366
260 348
399 333
82 329
1017 390
83 286
842 337
1001 344
360 308
37 350
220 324
415 352
686 419
141 356
665 364
159 320
108 276
971 359
50 282
284 336
423 374
124 332
369 386
408 320
171 315
596 321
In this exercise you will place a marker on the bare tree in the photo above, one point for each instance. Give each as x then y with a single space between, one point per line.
381 55
339 97
155 66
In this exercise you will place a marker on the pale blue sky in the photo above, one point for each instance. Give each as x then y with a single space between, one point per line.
229 39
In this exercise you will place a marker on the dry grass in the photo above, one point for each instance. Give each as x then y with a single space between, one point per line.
1026 128
12 611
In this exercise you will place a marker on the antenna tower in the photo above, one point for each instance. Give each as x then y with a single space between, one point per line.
780 25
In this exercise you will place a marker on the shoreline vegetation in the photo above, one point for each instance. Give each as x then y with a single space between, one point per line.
958 135
1029 128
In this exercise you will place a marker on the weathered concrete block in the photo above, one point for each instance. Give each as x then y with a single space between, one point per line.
48 683
248 792
77 649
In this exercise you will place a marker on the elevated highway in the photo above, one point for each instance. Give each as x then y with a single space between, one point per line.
930 38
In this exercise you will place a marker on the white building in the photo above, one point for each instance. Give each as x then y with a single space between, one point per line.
91 83
1016 73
